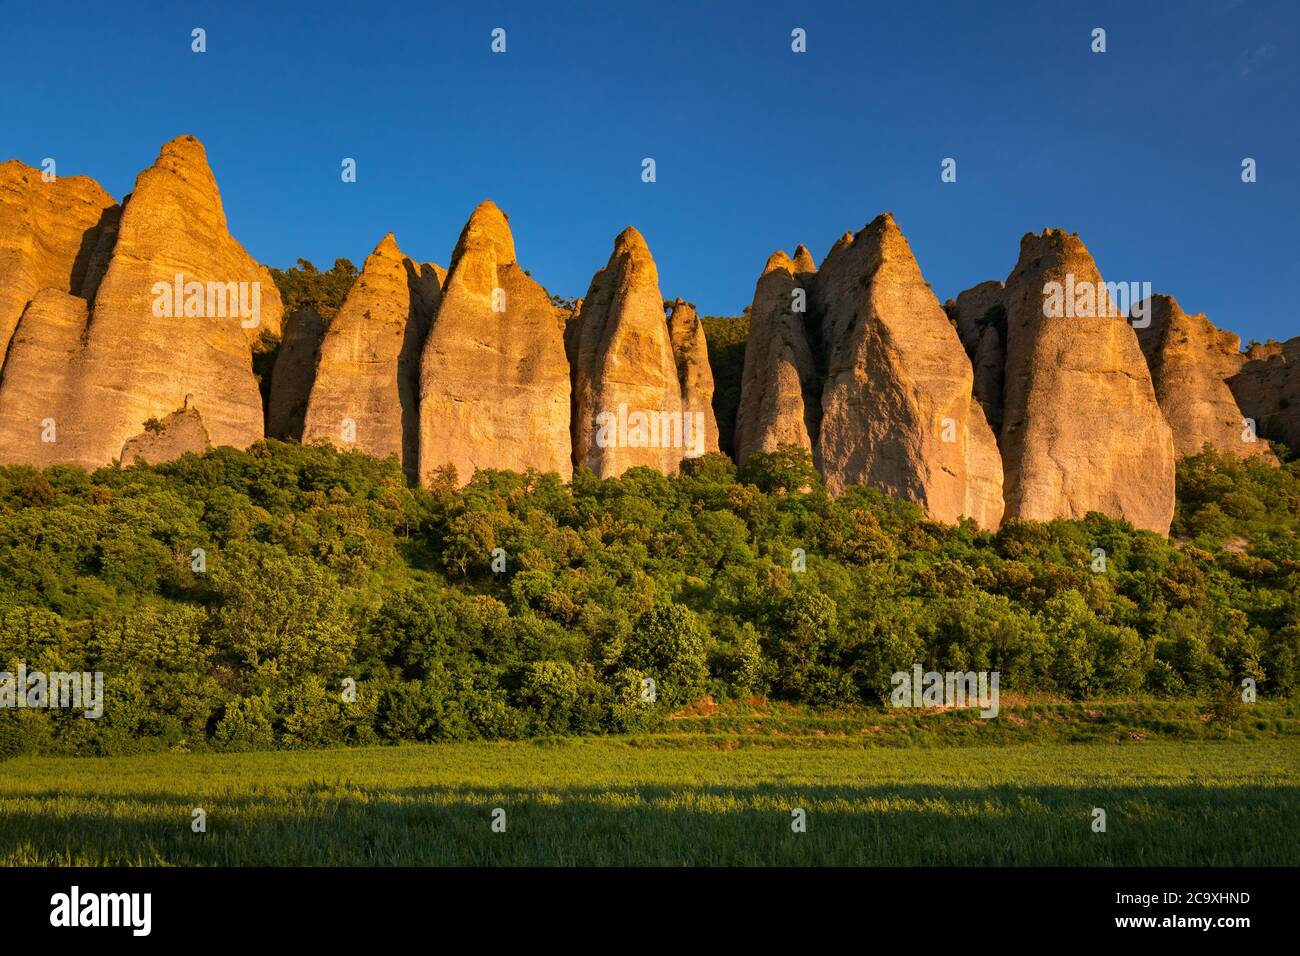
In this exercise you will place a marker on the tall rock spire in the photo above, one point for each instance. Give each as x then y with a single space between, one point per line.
365 393
627 407
494 379
780 399
897 407
694 375
1081 428
175 316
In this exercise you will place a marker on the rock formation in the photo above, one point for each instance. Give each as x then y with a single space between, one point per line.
1081 428
180 433
1191 362
494 379
803 265
780 398
366 389
39 377
152 339
694 375
627 400
1267 389
294 374
48 234
129 331
897 408
981 318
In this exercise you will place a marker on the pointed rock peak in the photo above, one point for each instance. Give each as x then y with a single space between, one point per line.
884 226
842 242
633 243
882 236
803 260
1162 308
183 152
682 312
779 260
182 165
488 228
388 248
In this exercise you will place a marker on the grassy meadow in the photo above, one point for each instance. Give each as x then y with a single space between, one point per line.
704 789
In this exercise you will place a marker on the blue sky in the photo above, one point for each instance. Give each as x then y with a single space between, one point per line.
1138 149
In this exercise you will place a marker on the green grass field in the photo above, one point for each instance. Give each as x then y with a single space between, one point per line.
703 795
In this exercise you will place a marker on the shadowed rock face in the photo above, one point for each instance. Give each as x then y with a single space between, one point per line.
982 325
694 375
48 235
294 374
1191 362
897 408
135 362
365 393
1081 427
625 387
494 378
780 403
180 433
1267 388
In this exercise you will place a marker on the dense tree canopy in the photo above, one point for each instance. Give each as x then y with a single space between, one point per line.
232 599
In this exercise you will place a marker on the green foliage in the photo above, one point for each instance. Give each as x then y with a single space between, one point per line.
726 336
340 605
305 285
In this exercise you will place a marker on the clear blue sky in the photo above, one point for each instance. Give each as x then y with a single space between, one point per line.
1138 149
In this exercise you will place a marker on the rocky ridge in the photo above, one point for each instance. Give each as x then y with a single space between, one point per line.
131 330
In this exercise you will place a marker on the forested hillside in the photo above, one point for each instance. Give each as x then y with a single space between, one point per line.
318 568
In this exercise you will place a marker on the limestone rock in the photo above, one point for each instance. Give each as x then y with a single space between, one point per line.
627 400
897 403
981 319
1191 362
984 477
137 362
101 252
694 375
1267 388
1081 430
494 379
780 401
48 233
802 264
972 311
366 390
178 434
294 374
39 375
